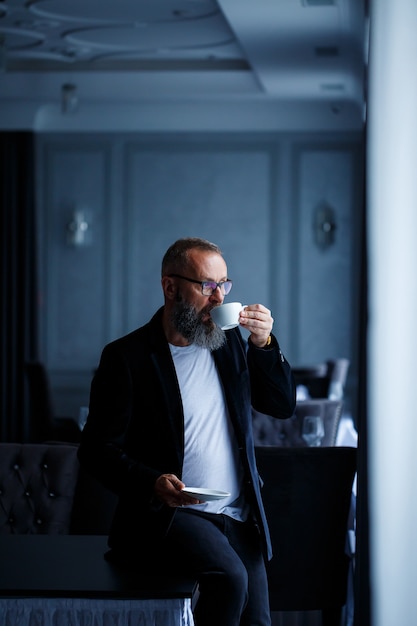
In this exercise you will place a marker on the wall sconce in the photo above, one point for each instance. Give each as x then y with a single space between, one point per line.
69 98
324 225
79 229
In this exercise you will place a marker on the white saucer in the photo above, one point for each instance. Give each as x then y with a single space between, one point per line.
205 494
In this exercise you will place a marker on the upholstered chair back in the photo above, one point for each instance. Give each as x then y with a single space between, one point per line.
37 486
307 494
268 431
45 425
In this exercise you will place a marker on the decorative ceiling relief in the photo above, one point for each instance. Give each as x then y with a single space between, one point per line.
76 31
302 54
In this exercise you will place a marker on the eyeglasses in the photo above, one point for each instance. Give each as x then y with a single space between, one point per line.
208 287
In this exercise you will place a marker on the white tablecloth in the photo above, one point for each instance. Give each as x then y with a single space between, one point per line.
346 433
94 612
348 436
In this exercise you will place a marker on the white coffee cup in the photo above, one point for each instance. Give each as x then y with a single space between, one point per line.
227 315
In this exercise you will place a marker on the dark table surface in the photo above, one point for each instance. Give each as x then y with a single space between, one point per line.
74 566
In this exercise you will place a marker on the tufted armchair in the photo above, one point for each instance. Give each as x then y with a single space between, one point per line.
268 431
44 491
37 486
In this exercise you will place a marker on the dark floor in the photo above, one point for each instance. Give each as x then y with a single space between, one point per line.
307 618
296 618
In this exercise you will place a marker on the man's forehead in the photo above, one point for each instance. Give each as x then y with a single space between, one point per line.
202 259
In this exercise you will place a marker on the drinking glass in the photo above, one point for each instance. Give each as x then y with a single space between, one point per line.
313 430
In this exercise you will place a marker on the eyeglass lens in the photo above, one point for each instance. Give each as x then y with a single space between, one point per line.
209 287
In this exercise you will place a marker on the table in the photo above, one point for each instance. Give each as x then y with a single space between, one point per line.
64 579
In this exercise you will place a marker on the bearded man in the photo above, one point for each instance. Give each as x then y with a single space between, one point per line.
171 407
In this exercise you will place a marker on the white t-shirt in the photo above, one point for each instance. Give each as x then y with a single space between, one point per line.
211 456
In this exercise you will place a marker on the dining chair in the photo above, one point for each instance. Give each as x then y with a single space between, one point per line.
45 425
337 372
269 431
324 380
307 497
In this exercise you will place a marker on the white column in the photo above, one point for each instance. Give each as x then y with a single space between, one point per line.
392 211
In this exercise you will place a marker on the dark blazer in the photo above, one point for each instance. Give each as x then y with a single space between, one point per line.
135 427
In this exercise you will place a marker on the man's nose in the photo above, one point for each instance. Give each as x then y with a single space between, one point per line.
217 296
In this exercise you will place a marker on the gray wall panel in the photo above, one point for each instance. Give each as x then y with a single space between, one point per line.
76 314
253 195
219 194
324 276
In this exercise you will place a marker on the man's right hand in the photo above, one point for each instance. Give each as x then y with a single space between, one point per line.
168 488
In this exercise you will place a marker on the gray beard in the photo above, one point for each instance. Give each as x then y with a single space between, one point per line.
190 325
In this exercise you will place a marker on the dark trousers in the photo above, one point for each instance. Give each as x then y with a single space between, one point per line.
226 557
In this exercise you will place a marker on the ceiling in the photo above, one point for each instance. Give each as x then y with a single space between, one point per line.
138 51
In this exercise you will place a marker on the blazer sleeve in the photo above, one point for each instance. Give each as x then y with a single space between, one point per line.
272 383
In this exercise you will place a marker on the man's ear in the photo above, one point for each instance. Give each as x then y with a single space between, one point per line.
168 286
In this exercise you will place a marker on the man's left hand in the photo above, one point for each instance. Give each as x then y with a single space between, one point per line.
258 321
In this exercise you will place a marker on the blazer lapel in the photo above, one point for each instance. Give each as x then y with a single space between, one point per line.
229 374
164 366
